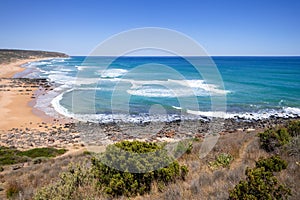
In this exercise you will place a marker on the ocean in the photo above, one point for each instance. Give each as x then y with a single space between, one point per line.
143 89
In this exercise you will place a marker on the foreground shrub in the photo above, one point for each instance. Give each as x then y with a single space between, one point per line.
124 169
272 139
261 183
129 168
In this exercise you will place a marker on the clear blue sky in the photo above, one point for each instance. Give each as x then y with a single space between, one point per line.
222 27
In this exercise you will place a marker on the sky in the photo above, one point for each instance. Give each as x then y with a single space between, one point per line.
222 27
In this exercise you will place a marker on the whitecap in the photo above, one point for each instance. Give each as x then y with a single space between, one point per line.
111 73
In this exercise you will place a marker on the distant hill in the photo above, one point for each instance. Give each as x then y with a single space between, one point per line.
10 55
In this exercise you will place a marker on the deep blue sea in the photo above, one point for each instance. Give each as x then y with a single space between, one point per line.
135 89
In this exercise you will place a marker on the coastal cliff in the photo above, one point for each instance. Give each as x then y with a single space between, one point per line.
12 55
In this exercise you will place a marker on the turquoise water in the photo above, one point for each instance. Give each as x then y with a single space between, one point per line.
105 89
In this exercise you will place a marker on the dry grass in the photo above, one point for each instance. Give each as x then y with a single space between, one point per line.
33 176
202 182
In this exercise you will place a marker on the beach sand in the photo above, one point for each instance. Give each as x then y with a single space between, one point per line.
15 99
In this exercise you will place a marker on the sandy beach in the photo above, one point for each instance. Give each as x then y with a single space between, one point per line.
16 98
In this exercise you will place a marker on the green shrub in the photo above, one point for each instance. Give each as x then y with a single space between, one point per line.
113 173
129 168
272 164
42 152
272 139
294 128
260 182
9 156
222 160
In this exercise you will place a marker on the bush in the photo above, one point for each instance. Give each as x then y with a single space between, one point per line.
129 168
222 160
272 164
260 182
272 139
294 128
113 173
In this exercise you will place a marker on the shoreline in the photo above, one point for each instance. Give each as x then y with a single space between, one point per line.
23 126
18 97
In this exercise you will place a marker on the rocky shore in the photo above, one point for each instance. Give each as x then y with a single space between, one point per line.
87 133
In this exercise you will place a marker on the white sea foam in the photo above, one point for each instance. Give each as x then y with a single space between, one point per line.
174 88
36 63
200 84
111 73
290 110
177 108
81 67
263 114
58 107
62 78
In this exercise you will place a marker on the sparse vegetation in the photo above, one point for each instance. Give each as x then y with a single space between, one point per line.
47 152
10 55
124 169
79 181
69 185
261 183
10 156
13 189
182 147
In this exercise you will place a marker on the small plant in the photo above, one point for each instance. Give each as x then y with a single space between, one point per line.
222 160
294 128
13 189
260 182
183 147
1 169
